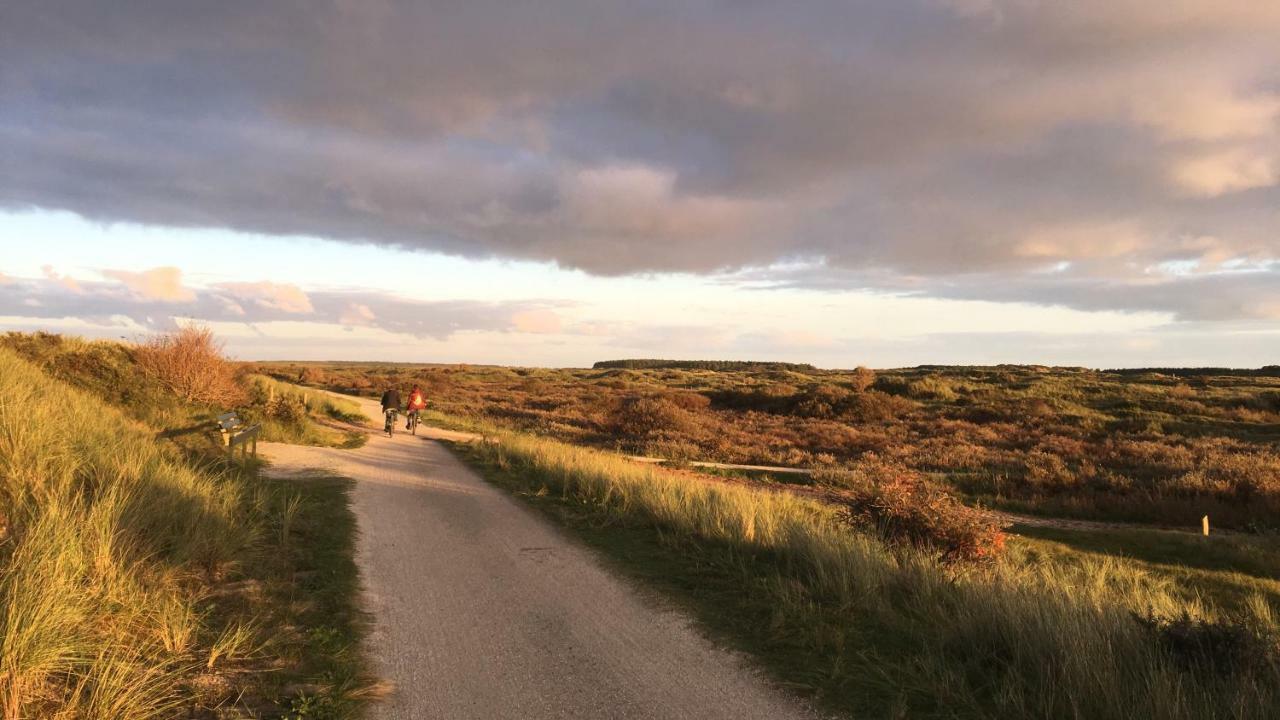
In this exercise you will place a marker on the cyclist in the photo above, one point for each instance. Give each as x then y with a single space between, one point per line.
417 403
390 406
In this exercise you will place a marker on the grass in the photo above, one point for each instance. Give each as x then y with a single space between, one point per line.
1231 571
141 578
871 631
111 371
299 416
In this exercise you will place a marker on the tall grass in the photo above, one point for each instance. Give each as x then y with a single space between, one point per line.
318 402
897 633
289 413
105 545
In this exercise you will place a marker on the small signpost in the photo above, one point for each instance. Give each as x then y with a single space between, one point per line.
1204 525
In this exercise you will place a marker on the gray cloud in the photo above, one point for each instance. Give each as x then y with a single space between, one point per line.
925 142
158 308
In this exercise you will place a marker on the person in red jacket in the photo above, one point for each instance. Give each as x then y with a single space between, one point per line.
417 402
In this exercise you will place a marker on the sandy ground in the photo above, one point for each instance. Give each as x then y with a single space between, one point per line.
484 610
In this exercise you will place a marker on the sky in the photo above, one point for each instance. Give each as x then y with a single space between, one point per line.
883 183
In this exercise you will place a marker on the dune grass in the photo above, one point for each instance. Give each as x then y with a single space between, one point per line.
128 566
106 544
886 633
292 414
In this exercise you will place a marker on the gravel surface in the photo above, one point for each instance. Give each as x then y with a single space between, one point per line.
484 610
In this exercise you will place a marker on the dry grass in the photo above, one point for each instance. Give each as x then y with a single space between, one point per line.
108 543
895 633
139 578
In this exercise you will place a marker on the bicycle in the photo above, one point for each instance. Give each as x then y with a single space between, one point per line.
413 422
390 426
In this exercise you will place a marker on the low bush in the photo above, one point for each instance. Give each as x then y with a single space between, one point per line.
189 363
1222 647
904 508
641 417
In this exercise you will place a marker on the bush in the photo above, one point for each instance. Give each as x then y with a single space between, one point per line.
862 378
904 508
1225 648
823 401
640 417
312 376
875 406
190 364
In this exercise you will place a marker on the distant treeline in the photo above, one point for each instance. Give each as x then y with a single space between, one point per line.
653 364
1264 371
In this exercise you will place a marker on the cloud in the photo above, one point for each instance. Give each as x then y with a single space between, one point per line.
927 140
110 303
357 314
1220 173
271 296
162 283
538 321
68 283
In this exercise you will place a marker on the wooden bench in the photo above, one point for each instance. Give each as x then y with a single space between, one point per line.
235 432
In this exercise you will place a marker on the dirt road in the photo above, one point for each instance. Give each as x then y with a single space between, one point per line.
483 610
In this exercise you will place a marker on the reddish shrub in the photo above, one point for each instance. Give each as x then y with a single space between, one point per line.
862 378
906 509
190 364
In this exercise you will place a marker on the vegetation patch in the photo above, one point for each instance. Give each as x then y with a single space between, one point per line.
890 633
142 575
1153 447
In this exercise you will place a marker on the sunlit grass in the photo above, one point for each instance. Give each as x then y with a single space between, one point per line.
892 632
105 539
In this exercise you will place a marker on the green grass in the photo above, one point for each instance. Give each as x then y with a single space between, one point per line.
873 632
309 595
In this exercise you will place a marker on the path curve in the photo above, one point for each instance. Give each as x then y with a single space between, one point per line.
484 610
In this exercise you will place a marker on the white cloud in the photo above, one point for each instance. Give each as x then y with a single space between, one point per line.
162 283
274 296
357 314
539 321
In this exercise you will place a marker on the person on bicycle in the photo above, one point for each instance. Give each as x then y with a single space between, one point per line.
417 403
390 404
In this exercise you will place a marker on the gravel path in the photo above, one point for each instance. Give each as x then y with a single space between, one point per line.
484 610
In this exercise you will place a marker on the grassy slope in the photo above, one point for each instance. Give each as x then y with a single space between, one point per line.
110 372
137 578
295 415
881 634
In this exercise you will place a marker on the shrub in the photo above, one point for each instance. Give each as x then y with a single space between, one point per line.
875 406
822 401
312 376
639 417
190 364
931 387
862 378
904 508
1225 647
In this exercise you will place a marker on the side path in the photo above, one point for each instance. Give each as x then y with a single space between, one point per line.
483 610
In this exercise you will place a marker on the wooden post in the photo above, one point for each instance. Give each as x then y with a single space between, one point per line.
1204 525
